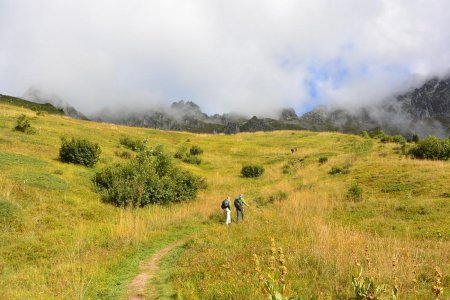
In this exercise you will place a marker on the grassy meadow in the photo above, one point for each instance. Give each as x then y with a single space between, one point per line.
59 241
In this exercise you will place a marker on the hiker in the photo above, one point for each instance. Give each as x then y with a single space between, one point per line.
239 203
227 209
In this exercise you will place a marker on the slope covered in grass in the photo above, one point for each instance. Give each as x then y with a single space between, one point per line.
60 241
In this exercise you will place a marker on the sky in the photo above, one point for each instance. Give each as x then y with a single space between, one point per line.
252 57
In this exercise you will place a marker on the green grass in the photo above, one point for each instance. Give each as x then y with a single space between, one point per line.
41 180
65 243
8 160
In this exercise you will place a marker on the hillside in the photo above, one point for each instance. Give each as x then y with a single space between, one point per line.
58 240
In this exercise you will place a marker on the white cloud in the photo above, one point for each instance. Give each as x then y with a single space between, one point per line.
252 56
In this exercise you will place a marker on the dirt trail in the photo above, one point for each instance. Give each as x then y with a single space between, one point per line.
148 268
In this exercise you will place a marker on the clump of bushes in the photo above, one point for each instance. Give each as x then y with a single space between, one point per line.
79 151
192 159
195 150
323 159
432 148
149 178
191 156
23 124
252 171
393 139
354 192
383 137
132 144
340 170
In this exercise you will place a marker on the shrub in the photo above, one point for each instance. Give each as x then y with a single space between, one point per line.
323 159
432 148
354 192
79 151
415 138
23 124
195 150
252 170
132 144
192 159
150 178
340 170
393 139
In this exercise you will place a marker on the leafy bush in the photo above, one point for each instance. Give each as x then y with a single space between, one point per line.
132 144
415 138
192 159
392 139
252 170
340 170
432 148
323 159
150 178
354 192
79 151
195 150
23 124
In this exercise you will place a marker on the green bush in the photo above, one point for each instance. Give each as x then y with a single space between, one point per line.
23 124
150 178
323 159
432 148
195 150
392 139
192 159
79 151
355 192
340 170
132 144
252 170
415 138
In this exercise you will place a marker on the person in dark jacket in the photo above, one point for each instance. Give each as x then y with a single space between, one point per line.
239 203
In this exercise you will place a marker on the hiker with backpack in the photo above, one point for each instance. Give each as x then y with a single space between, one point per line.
239 203
227 209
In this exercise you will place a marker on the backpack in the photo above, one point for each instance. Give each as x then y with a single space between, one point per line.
225 204
238 203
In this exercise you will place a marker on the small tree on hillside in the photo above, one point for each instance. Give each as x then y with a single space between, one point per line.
23 124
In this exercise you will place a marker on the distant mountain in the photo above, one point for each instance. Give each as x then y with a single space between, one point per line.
424 110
